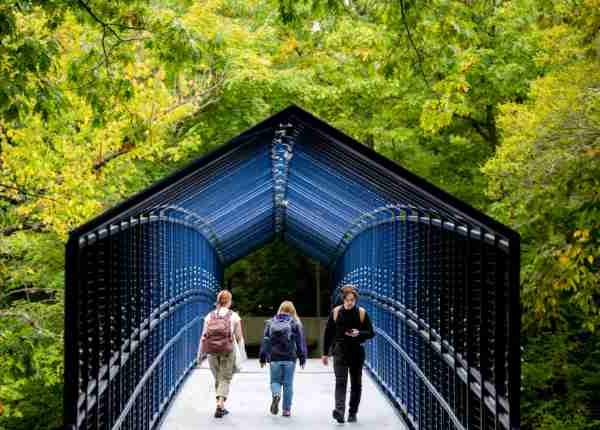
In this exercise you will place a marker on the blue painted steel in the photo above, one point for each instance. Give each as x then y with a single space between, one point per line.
437 278
145 286
405 268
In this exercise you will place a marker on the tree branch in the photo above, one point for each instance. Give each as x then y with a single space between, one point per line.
36 226
24 317
27 193
480 127
107 28
105 25
412 43
124 149
21 316
197 98
13 200
31 293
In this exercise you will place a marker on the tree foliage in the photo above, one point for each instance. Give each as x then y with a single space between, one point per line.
277 272
496 102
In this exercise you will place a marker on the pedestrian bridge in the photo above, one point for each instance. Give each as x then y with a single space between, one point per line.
439 279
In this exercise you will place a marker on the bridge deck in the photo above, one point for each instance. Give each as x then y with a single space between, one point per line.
250 398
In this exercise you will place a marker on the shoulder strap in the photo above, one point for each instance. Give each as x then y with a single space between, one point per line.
361 314
336 312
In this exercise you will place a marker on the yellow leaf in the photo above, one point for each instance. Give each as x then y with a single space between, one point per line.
129 70
590 259
564 260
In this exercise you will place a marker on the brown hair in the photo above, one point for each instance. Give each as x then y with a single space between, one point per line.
349 289
287 307
223 297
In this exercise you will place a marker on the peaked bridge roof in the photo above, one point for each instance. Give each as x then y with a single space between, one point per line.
296 176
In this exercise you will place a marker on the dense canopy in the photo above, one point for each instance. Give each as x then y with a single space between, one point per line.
495 102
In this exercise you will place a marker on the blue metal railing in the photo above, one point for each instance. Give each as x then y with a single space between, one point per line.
438 299
141 290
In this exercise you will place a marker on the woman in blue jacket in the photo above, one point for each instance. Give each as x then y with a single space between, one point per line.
283 342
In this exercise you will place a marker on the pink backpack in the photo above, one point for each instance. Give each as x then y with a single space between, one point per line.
218 336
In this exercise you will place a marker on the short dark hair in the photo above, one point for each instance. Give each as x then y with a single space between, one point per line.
349 289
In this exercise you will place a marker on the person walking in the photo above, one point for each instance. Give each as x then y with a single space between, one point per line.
283 342
347 328
220 327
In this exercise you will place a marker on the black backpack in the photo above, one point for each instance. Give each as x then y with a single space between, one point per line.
281 337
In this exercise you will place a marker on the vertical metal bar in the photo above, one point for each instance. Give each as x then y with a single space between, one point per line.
125 312
454 318
396 320
422 314
137 317
108 279
147 343
71 352
411 387
444 315
96 246
118 388
483 328
514 328
467 298
499 339
427 260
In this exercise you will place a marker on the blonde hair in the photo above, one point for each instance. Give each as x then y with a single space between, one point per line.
287 307
223 297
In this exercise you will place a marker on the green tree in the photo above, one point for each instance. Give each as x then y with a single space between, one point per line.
544 180
277 272
98 99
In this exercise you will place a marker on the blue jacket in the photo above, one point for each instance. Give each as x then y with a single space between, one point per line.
269 352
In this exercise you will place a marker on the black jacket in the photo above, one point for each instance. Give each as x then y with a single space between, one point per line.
346 347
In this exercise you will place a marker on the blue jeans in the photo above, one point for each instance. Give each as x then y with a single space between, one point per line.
282 373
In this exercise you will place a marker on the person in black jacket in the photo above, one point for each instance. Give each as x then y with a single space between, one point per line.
347 328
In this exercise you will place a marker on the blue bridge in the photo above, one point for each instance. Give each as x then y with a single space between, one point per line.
439 278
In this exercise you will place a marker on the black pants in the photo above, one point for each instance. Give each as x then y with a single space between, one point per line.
342 366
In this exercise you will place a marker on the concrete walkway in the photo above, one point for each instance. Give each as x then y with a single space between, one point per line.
249 401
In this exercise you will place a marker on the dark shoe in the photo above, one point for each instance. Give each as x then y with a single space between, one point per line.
338 416
351 418
219 413
286 414
275 405
225 411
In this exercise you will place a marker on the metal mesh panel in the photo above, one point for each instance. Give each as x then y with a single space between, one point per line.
438 297
142 290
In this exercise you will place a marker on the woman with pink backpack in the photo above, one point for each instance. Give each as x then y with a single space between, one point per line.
222 328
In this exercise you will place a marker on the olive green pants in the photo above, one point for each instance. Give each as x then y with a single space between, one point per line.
221 366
